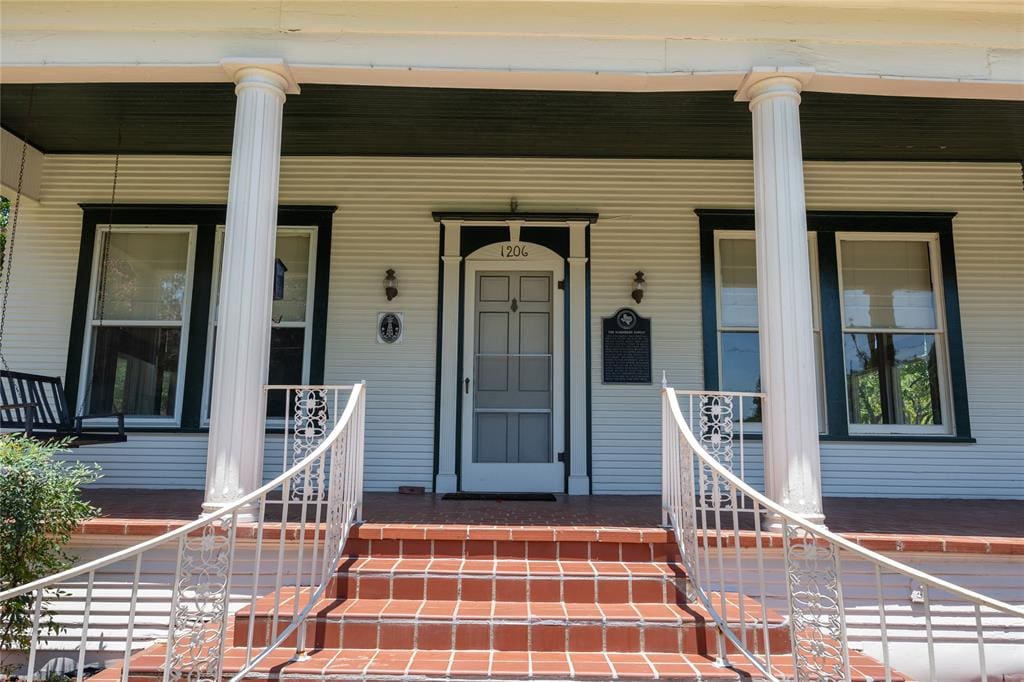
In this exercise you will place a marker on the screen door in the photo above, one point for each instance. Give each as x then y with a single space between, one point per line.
512 383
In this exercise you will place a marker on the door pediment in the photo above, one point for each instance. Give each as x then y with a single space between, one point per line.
521 252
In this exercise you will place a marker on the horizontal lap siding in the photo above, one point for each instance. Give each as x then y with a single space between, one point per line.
989 243
646 223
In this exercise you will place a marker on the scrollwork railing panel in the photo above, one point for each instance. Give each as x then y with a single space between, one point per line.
787 618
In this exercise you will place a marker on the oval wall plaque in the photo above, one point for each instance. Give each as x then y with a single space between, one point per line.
390 327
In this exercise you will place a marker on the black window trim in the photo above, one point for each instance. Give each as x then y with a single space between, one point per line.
205 218
826 224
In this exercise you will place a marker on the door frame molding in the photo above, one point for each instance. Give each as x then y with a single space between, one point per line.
483 260
459 236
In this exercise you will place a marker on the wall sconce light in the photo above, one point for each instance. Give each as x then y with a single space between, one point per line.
390 284
639 286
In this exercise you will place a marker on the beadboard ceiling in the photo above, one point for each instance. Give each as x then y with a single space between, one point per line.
328 120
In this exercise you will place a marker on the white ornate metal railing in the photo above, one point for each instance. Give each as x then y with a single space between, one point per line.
729 537
722 424
293 529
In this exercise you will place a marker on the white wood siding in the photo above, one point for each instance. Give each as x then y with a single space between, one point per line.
647 222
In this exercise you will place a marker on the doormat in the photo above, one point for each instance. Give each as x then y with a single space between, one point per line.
502 497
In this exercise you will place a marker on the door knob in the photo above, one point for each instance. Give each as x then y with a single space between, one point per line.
466 381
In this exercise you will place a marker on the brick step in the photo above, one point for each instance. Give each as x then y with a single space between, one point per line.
514 626
512 542
398 664
509 580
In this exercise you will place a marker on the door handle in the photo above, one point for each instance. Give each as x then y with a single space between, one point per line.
466 381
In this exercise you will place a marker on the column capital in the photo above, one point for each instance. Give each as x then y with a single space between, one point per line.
260 71
773 81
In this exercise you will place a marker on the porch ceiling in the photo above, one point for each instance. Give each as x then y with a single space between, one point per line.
360 120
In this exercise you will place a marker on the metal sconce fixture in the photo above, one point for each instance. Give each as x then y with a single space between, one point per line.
390 284
639 286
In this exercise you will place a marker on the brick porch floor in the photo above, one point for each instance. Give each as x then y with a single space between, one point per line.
982 526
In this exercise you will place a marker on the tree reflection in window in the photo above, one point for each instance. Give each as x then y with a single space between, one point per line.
892 379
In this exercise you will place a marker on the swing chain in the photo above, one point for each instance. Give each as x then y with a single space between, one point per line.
8 262
105 256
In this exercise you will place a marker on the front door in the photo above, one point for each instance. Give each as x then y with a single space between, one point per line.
512 407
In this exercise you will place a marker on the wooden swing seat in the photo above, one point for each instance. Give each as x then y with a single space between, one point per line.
37 406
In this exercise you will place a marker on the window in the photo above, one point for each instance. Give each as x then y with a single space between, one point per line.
886 321
144 323
138 322
893 336
291 316
739 354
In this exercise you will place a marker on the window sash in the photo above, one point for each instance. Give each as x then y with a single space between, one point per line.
88 345
306 323
939 332
812 252
812 247
934 264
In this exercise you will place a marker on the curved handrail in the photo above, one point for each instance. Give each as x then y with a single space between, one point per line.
705 503
326 488
204 520
821 531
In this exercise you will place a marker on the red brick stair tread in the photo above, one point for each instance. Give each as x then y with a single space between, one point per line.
401 609
397 664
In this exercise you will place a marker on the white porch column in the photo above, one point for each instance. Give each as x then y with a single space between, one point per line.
791 458
235 454
579 481
446 481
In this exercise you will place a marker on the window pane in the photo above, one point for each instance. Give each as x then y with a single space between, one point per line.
887 285
134 371
287 345
892 379
145 276
738 275
739 282
293 252
741 369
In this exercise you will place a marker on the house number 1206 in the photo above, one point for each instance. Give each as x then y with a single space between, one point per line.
513 251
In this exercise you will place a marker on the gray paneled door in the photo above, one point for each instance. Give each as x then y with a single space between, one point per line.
512 395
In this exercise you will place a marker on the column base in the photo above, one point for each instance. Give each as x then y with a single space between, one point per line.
247 514
446 483
579 485
773 523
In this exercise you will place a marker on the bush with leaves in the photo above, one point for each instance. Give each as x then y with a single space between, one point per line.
40 507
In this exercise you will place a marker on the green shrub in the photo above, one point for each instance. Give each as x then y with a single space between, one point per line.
40 507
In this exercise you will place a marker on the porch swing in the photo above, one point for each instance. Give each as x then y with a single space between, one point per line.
36 404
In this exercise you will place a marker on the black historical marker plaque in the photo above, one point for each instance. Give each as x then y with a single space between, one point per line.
626 348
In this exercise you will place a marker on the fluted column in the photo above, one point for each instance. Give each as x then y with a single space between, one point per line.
791 457
238 405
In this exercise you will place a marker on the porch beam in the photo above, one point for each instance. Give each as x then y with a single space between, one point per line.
14 177
238 403
790 414
852 82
